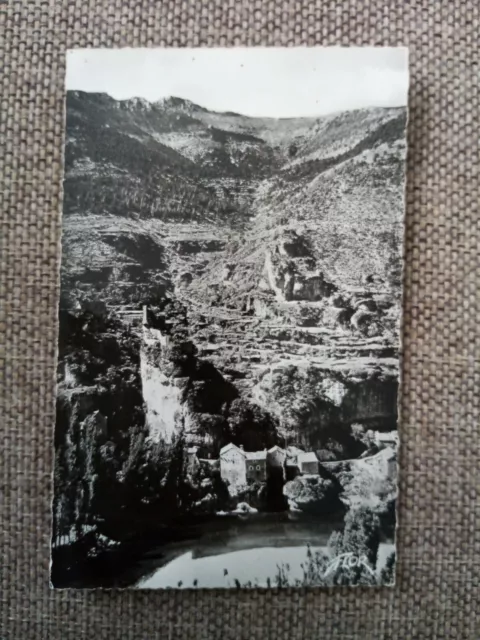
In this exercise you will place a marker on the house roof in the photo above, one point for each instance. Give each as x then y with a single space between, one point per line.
276 448
294 452
310 456
229 447
256 455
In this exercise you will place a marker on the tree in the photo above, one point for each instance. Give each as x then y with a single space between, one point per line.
387 575
359 539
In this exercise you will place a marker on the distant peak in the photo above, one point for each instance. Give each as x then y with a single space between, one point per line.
175 102
93 96
105 99
137 103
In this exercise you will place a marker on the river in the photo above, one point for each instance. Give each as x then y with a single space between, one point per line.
248 551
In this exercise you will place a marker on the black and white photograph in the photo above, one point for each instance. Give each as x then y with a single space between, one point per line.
230 318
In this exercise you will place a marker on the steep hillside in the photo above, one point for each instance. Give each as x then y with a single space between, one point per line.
281 240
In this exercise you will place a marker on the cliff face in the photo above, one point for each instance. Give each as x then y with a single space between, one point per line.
316 406
100 427
163 397
186 395
281 241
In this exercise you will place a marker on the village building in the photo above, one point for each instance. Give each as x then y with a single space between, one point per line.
256 463
291 470
276 459
233 469
308 463
293 452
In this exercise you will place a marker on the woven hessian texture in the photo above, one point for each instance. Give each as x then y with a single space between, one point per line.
437 593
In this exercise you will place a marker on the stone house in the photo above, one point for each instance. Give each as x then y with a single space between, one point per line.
293 452
276 459
256 466
291 470
238 468
276 456
233 467
308 463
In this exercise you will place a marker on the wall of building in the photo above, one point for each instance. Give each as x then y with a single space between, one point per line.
309 467
276 459
232 469
256 471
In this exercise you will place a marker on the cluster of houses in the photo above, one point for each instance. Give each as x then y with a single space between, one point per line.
239 468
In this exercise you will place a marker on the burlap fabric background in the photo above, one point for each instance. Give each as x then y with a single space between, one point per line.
437 594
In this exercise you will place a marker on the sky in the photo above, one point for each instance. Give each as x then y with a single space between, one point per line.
267 82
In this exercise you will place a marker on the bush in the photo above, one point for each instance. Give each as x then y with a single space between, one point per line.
313 494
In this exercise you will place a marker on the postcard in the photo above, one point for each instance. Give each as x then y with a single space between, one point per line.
230 316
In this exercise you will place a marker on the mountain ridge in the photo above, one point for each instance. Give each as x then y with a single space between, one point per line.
182 171
175 100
